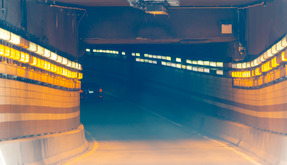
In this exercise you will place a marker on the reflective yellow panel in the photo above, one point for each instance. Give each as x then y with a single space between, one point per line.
7 51
12 53
283 56
17 55
27 58
33 61
2 50
274 62
257 72
266 67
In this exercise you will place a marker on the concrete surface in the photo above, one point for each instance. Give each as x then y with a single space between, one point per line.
129 134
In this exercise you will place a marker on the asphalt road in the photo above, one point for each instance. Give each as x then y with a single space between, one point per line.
128 134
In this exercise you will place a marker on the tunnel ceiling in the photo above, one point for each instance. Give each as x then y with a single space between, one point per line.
115 22
94 3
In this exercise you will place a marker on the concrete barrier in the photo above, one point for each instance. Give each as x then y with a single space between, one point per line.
48 149
268 146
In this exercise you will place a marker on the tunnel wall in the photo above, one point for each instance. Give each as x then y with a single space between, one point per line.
38 22
262 108
264 25
29 109
135 26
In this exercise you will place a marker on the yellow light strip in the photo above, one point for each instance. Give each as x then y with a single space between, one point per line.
276 48
37 62
19 41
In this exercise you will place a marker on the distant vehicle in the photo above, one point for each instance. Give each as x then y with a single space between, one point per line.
91 93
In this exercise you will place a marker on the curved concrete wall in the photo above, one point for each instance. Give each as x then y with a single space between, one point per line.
30 109
49 149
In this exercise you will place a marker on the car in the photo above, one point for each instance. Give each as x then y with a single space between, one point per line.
91 92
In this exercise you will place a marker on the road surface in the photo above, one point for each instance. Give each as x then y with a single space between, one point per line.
128 134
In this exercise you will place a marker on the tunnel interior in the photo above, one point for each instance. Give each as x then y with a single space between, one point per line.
119 82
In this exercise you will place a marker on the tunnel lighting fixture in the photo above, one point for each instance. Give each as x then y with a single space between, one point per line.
32 47
274 49
189 67
88 50
163 57
40 51
138 59
206 63
163 63
199 62
15 39
262 59
142 60
168 58
133 54
173 65
47 53
158 57
178 66
219 72
206 70
168 63
5 35
178 59
146 60
265 56
213 64
59 59
154 56
195 69
69 64
243 65
188 61
248 65
123 53
154 62
183 66
64 61
239 65
194 62
54 56
146 55
200 69
269 53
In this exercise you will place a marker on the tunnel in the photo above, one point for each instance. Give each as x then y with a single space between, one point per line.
143 82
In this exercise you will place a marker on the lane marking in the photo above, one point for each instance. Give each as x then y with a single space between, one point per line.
161 117
205 137
234 150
